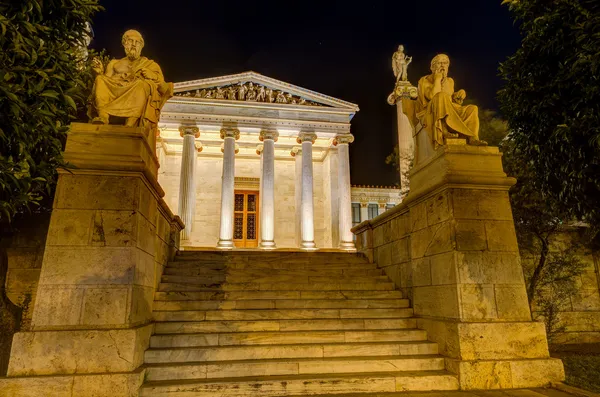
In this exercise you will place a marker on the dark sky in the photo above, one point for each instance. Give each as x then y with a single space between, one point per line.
338 48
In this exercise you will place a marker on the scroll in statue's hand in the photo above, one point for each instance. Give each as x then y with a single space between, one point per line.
97 66
147 74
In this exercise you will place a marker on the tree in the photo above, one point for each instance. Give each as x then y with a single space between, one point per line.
44 83
551 100
550 270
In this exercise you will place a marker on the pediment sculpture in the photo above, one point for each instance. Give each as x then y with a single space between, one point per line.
248 92
132 88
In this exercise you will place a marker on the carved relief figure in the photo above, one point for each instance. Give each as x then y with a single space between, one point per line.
280 97
251 95
260 94
439 107
400 64
132 87
220 93
231 93
269 95
209 94
241 92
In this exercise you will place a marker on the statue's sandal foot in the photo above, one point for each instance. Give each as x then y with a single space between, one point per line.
99 120
477 142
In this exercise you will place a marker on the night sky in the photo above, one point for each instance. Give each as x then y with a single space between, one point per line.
338 48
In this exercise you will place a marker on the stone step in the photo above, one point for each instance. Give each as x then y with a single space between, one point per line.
200 271
285 338
280 314
275 295
266 352
289 385
312 266
238 369
333 286
243 279
280 304
174 327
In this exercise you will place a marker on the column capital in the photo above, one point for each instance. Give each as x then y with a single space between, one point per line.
268 134
306 137
260 148
237 148
296 150
198 145
343 139
230 132
189 130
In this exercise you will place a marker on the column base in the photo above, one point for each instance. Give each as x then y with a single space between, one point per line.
347 246
267 245
308 245
225 244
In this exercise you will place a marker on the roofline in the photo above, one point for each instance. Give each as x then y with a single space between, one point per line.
240 77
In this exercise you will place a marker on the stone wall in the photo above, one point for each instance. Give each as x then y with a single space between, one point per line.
25 251
451 248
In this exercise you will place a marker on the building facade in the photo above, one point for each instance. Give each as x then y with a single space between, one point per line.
248 161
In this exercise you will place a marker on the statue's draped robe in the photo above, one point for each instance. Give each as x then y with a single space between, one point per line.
135 96
440 114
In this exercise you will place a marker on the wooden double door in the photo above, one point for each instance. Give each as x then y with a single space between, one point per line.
245 219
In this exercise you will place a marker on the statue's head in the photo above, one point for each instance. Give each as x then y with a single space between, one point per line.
133 42
401 48
440 63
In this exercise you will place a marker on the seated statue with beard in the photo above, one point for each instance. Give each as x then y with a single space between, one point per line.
439 108
132 87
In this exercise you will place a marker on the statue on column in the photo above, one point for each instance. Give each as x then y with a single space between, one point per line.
400 64
132 87
439 108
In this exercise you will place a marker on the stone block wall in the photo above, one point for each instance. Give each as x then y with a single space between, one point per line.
25 251
451 248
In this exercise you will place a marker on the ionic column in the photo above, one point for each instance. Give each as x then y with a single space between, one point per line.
345 199
267 201
296 152
229 135
307 206
364 211
187 181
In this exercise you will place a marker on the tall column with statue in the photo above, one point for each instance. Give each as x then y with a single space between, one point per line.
402 97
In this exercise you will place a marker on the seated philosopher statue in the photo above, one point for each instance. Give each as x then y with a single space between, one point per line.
439 108
132 87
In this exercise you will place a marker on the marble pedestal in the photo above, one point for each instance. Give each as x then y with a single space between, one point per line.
109 238
451 247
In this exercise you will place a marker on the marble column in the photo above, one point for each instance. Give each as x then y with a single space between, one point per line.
405 147
343 142
364 211
229 135
296 152
187 180
307 212
267 200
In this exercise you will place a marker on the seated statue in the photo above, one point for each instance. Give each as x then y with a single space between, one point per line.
132 87
439 108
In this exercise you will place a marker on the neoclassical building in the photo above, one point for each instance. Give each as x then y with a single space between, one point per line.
249 161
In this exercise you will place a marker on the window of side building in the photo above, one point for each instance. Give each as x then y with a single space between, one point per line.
373 210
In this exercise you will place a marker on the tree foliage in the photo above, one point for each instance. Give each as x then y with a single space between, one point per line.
42 87
551 100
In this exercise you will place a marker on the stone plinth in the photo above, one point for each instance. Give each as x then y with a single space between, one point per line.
109 238
451 247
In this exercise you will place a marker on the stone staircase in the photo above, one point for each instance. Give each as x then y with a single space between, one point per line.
285 324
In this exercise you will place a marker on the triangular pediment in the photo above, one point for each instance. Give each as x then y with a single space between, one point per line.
254 87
